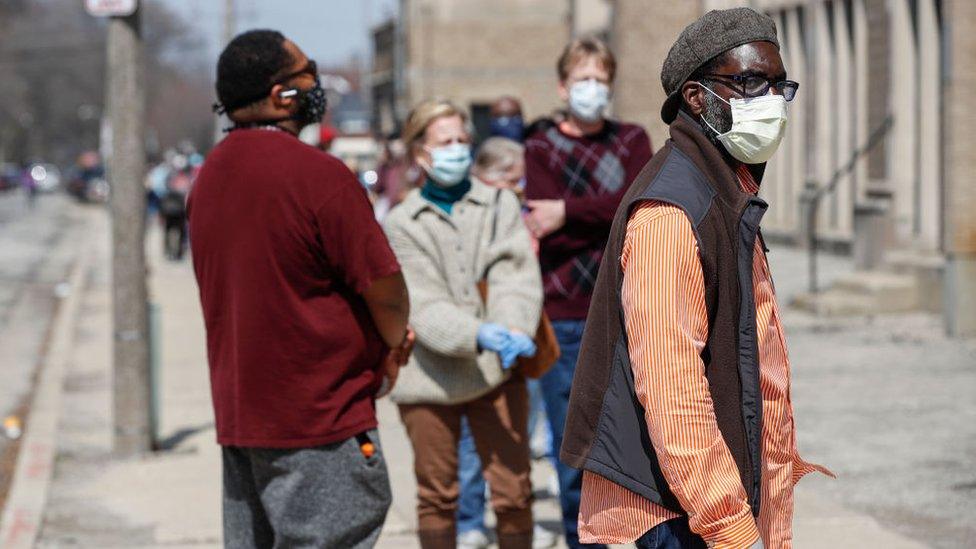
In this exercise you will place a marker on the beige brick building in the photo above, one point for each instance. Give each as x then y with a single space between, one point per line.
858 61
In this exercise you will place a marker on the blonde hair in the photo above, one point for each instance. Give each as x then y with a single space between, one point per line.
581 48
423 115
496 156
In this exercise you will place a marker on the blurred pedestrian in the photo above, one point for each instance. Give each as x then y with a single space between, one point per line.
303 301
29 184
172 207
577 171
395 176
450 235
500 164
685 350
327 136
506 119
499 168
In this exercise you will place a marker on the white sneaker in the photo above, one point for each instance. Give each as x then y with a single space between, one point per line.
553 485
542 538
473 539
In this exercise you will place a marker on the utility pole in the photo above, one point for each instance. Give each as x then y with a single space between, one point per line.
127 167
230 29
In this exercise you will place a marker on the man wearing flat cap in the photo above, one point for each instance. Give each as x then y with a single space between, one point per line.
680 412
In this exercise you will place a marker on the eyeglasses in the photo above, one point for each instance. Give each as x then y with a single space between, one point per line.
757 86
310 68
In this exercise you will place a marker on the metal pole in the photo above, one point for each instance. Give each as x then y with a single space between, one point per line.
126 102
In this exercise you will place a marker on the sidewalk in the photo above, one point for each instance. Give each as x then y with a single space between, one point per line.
172 498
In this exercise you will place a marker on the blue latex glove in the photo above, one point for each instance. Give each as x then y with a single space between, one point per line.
519 345
493 337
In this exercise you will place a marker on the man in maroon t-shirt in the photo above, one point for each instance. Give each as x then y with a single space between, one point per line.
305 310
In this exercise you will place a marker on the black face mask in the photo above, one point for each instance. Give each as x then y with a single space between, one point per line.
311 105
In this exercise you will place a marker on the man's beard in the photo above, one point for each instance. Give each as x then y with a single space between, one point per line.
718 115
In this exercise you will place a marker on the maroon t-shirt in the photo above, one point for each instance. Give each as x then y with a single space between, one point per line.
284 243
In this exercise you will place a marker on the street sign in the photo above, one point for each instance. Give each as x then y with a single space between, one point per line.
111 8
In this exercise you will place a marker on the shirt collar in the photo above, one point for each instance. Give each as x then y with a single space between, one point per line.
746 180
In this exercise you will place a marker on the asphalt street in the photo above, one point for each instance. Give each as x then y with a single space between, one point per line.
37 247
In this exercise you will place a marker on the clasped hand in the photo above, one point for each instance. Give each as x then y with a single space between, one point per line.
509 344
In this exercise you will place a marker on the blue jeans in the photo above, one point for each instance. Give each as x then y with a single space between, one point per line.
671 534
537 414
471 500
556 385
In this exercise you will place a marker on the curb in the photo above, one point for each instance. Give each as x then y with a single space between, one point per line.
24 512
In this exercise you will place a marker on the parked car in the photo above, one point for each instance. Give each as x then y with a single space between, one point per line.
88 184
47 177
10 176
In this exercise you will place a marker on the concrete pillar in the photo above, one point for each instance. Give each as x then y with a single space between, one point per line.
903 161
797 152
844 120
642 33
960 188
862 93
824 72
929 180
878 80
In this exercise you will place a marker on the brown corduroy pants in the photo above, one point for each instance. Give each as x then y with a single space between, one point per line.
499 425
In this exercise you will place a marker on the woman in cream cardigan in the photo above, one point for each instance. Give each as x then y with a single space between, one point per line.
448 235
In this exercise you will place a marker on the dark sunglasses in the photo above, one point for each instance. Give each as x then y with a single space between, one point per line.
310 68
757 86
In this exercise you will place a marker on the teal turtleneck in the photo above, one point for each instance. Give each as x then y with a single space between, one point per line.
445 197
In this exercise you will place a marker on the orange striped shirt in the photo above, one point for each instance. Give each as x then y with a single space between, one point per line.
667 326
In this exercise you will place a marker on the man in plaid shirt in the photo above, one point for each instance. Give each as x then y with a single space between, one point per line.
577 171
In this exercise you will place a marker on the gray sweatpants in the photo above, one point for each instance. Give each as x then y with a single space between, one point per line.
323 497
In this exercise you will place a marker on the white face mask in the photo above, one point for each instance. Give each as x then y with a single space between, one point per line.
588 99
758 125
449 164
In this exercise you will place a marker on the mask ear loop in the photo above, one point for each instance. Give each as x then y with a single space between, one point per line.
717 133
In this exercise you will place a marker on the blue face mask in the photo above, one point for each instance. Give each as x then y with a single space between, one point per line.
449 164
511 127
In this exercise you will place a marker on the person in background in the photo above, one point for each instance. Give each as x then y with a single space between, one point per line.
450 235
576 172
506 119
701 451
327 135
395 176
507 122
172 207
305 309
500 164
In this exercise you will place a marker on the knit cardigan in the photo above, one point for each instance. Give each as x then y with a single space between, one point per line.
442 258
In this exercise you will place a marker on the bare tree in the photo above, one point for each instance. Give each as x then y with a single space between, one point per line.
53 79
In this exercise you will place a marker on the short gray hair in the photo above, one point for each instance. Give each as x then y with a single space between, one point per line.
497 155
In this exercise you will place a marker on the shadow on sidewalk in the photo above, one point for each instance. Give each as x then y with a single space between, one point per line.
171 442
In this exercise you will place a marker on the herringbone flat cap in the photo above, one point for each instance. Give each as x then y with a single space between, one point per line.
712 34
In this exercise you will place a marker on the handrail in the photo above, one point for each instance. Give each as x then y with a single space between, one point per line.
814 193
